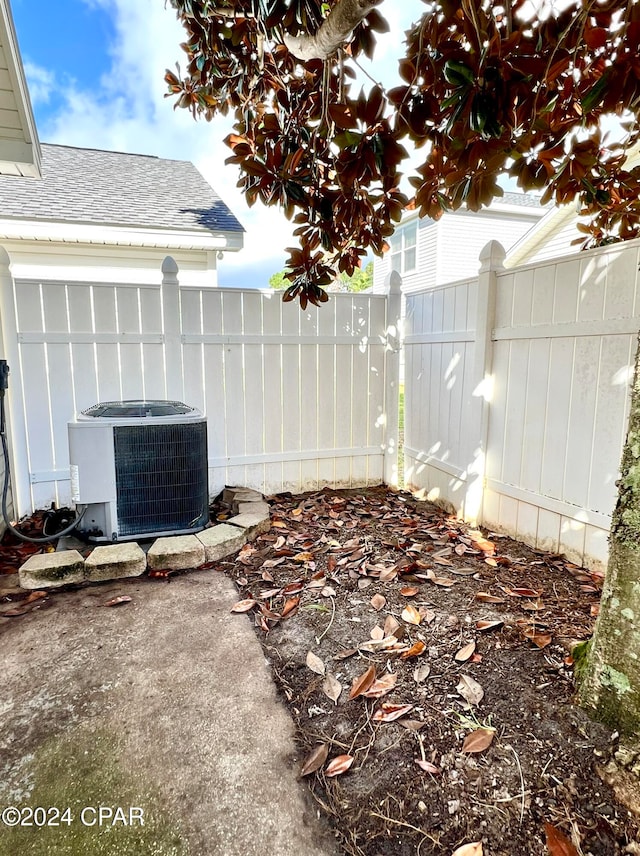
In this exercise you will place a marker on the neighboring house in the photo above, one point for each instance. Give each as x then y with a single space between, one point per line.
428 252
108 216
19 146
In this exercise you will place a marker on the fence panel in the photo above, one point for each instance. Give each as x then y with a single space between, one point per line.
293 399
563 338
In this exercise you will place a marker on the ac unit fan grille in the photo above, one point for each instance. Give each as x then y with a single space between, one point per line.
161 477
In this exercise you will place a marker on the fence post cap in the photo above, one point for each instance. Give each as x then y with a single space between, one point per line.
492 256
169 265
393 283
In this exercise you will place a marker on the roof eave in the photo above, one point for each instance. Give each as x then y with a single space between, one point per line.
18 156
14 229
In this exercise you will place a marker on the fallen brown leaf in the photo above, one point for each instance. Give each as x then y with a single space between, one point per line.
332 688
378 602
315 760
470 690
409 591
416 649
315 663
465 653
391 712
244 605
472 849
478 740
124 598
382 686
427 767
558 843
488 625
411 615
339 765
362 683
540 640
485 597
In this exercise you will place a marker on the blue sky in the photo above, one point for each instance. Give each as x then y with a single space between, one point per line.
95 70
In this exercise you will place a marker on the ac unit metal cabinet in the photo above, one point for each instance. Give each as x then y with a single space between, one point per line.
140 468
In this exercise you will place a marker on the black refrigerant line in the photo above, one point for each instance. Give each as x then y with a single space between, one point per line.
4 385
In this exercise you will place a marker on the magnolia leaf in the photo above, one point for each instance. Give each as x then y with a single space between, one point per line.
382 686
409 591
485 597
472 849
315 760
466 653
412 724
421 673
390 625
488 625
339 765
243 605
123 598
523 592
378 644
540 640
558 843
378 602
478 740
362 683
411 615
470 690
416 649
391 712
315 663
427 767
332 688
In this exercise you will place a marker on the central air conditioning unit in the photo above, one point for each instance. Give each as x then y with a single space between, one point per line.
140 469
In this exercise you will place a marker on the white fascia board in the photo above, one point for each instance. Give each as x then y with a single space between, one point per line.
29 160
64 232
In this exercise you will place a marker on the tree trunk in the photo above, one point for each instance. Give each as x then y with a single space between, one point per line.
610 686
334 31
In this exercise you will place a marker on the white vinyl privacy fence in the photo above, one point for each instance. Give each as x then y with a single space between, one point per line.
517 393
294 400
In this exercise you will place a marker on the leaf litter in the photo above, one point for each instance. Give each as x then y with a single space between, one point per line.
451 727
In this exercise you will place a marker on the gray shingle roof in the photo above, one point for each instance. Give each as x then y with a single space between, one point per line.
116 189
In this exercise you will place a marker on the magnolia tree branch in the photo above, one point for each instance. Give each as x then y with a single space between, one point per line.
334 31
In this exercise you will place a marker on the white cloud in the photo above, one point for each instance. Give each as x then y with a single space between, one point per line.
128 111
41 82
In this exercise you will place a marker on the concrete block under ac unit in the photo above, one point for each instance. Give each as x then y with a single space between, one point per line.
176 553
51 570
115 561
221 541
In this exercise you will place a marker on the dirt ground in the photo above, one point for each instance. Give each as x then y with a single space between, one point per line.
433 662
427 668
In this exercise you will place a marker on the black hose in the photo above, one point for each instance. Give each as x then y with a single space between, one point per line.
5 489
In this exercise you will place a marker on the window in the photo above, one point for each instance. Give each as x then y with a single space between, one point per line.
404 246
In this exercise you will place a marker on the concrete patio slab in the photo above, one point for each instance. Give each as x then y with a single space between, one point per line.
164 704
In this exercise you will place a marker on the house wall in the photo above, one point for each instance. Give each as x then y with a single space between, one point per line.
517 395
49 260
294 400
